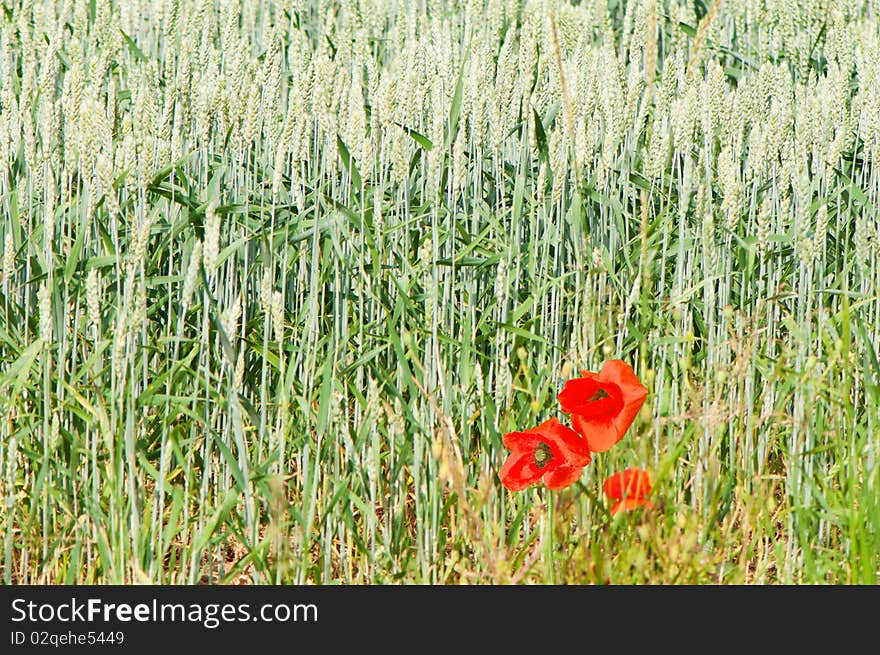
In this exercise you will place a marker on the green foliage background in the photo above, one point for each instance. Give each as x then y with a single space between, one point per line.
278 276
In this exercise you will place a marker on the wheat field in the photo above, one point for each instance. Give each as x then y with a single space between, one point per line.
277 277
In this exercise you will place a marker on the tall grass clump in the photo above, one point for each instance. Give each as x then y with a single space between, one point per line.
278 275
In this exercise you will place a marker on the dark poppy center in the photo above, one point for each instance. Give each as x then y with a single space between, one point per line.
599 395
599 399
542 455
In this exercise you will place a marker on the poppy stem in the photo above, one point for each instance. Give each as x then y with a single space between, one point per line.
549 538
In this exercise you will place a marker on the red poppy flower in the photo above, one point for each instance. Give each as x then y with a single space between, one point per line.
629 489
550 451
603 405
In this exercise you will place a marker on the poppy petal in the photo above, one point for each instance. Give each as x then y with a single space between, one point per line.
621 374
632 390
599 433
629 483
613 486
603 406
590 396
625 418
566 450
574 449
576 391
521 442
565 444
562 476
519 471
